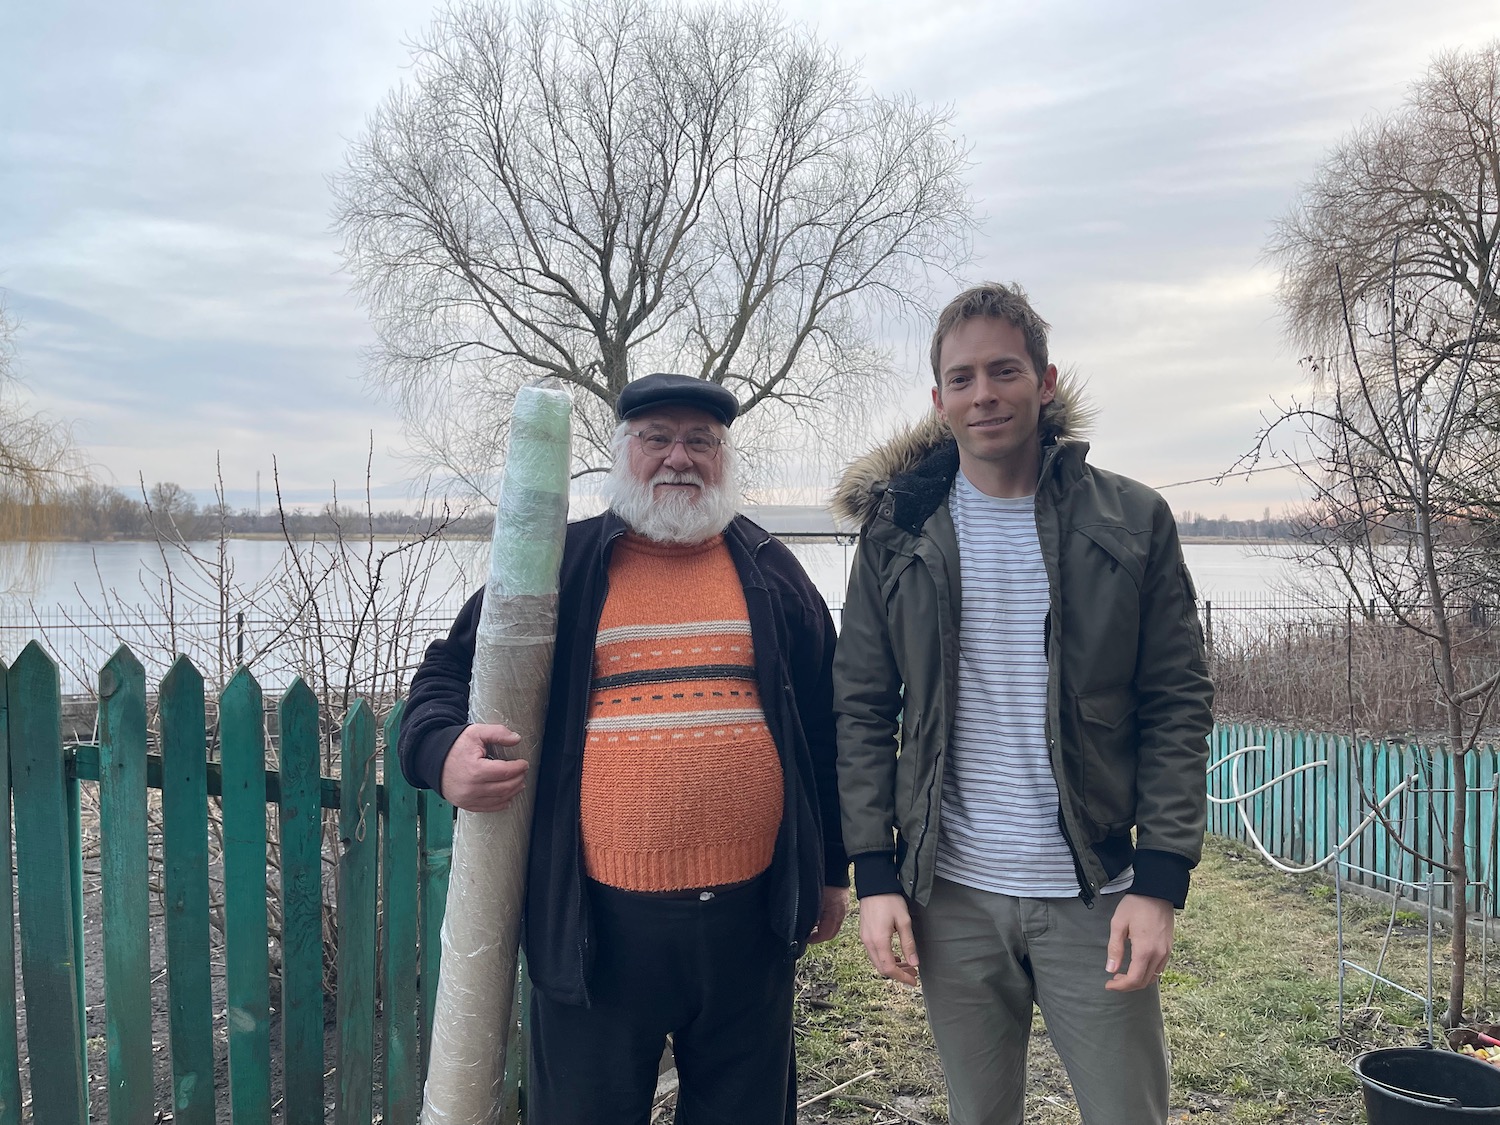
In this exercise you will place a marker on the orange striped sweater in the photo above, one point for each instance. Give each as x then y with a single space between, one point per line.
682 785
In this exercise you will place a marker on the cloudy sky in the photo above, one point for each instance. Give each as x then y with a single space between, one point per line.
165 213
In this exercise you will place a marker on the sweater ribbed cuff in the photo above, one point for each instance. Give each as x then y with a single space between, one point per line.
432 755
875 874
1163 875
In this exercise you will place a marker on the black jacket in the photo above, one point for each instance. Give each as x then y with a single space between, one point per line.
793 637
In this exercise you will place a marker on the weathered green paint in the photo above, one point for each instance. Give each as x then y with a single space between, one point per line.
301 818
10 1067
1321 805
74 803
246 960
1488 859
123 881
184 815
436 816
48 944
403 1087
359 841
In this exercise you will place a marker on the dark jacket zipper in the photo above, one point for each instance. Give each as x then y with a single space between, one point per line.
1084 892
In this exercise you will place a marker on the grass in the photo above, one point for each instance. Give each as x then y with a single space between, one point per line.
1251 1003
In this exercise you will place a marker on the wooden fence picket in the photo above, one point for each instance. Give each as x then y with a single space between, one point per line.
43 864
359 836
402 1088
246 955
301 823
184 817
436 823
10 1064
123 879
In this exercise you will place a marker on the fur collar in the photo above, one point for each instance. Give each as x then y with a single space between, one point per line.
921 458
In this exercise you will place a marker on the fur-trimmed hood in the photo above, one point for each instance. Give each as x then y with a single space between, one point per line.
859 490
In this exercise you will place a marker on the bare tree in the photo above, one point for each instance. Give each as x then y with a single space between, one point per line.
38 460
1389 270
1391 444
598 190
1425 179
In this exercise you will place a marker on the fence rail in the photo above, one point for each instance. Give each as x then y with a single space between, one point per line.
392 866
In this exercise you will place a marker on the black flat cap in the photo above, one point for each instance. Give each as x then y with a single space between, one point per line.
661 389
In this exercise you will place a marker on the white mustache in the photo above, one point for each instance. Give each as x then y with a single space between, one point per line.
672 476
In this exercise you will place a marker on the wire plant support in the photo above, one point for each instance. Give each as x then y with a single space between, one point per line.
1410 814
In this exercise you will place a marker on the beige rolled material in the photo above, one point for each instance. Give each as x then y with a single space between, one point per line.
512 675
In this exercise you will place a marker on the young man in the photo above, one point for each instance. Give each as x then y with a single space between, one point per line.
686 841
1020 688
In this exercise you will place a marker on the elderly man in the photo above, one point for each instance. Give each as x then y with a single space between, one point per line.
1023 710
686 842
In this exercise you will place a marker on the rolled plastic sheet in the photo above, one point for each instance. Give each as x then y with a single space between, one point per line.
511 677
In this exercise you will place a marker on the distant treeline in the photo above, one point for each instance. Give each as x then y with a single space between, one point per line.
166 510
1195 524
91 512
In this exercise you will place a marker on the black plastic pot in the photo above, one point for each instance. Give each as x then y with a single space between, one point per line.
1421 1086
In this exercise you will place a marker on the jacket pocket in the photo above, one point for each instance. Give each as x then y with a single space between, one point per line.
1107 730
1125 549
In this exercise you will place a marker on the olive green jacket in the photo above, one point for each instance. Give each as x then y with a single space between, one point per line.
1128 694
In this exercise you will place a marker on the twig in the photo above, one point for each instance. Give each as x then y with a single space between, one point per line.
871 1103
834 1090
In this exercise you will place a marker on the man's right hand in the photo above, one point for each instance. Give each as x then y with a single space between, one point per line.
473 780
882 918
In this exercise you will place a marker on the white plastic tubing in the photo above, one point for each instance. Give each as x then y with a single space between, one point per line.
1240 799
512 674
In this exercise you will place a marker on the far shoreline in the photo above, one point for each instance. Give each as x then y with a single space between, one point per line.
1237 540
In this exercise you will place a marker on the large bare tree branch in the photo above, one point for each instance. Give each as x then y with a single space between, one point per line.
598 190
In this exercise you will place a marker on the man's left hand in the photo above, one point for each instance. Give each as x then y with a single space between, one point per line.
1146 925
830 914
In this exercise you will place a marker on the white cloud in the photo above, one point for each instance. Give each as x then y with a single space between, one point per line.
165 232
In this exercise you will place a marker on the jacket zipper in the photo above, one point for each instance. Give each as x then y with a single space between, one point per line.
1085 892
916 855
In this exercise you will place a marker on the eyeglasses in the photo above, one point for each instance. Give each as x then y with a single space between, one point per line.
700 447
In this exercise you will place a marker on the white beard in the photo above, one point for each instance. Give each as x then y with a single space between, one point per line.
680 516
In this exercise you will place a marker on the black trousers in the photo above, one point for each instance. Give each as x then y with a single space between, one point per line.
710 973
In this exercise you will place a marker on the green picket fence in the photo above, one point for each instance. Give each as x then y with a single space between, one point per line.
1303 816
395 844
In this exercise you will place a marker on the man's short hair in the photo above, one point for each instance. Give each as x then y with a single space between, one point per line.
1003 302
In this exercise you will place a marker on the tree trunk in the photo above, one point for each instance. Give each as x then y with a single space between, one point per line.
1458 862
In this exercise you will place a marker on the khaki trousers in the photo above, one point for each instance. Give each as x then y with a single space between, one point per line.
986 957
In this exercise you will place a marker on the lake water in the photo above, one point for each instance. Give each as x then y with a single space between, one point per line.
73 575
89 597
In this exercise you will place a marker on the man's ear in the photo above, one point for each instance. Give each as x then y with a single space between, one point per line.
937 403
1049 384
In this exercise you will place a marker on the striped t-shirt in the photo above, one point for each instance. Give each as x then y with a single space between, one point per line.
1000 827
